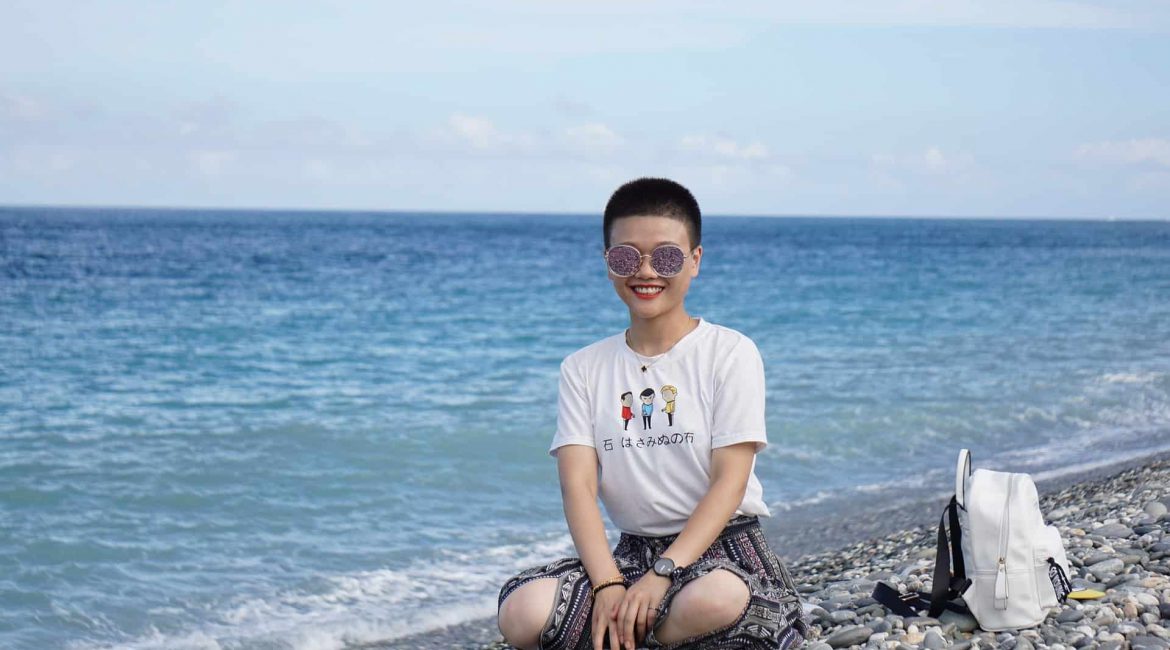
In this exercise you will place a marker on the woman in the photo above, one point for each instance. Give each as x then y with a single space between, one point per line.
692 568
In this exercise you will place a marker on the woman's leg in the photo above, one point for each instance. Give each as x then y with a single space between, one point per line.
736 595
525 611
713 602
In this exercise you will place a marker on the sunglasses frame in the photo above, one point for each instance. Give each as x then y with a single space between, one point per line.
642 256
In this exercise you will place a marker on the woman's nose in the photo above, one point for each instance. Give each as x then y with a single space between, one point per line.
645 270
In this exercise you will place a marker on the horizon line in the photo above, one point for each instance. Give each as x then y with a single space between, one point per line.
559 214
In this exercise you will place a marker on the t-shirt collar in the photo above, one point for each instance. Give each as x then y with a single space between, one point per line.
677 350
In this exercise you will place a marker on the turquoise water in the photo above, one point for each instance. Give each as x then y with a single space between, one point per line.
308 430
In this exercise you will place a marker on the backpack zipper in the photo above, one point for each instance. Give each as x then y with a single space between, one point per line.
1001 586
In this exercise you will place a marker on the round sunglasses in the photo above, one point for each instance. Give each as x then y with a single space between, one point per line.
624 260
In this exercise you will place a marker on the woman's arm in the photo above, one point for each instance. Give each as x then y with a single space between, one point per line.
577 466
730 468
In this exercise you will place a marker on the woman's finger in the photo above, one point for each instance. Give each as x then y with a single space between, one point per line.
614 640
640 626
599 624
619 620
629 615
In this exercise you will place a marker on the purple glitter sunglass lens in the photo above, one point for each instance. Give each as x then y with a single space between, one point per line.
667 260
623 260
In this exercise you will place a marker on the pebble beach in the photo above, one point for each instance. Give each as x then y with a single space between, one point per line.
1114 532
1114 524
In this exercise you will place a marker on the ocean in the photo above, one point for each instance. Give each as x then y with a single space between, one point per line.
311 430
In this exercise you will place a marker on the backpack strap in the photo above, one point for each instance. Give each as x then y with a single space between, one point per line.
910 603
947 585
962 471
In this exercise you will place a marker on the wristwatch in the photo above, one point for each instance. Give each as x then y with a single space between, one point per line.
664 567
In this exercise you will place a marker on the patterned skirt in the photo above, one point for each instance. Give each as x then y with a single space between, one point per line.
772 619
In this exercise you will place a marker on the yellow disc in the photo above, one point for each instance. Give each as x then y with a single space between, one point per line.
1086 594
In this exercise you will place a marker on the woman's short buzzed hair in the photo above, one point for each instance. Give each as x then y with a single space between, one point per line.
659 197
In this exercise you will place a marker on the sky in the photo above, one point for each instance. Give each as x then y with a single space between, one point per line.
979 108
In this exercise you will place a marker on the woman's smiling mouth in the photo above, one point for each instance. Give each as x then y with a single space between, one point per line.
647 291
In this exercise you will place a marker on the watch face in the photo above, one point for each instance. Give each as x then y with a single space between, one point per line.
663 566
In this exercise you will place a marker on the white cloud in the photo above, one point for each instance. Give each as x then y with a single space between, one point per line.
20 108
478 131
482 134
1128 152
41 160
1049 14
594 138
723 147
933 160
212 162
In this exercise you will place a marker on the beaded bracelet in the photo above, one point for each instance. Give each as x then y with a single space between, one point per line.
618 580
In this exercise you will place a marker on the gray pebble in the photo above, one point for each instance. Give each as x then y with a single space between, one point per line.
1110 566
1022 643
1144 642
1097 556
964 622
821 645
1121 579
1104 617
1147 600
1113 530
850 635
934 640
842 616
862 586
1155 509
1070 615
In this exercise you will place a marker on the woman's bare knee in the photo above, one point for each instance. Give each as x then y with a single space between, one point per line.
712 602
525 611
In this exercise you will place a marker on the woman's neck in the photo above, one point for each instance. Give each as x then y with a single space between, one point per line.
651 337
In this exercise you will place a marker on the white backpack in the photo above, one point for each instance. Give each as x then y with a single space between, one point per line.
1016 564
1008 566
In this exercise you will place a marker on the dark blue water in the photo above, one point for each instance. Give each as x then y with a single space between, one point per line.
303 430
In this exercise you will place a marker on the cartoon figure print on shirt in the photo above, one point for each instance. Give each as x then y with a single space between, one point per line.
669 393
662 438
647 407
627 412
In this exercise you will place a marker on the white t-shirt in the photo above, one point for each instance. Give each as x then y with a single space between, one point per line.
654 430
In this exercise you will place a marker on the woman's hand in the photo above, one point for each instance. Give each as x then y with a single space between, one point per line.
640 608
605 609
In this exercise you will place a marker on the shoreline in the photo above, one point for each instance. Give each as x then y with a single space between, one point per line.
904 531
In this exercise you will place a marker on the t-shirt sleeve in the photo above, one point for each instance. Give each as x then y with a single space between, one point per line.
739 398
574 425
